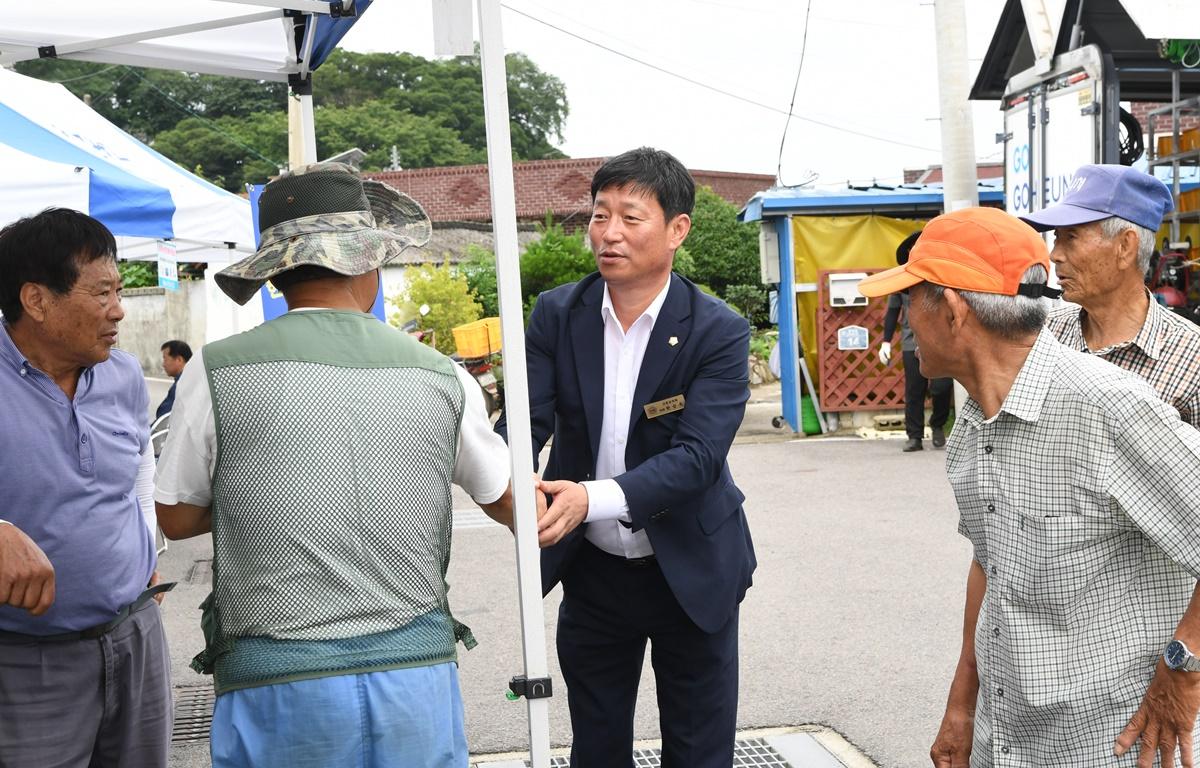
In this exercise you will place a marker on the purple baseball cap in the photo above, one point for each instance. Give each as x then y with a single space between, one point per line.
1100 191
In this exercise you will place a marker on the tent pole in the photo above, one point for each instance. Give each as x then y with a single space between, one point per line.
516 384
302 129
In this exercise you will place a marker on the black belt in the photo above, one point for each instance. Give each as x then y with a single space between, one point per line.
629 562
99 630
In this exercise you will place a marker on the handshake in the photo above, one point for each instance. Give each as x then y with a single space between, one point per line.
561 507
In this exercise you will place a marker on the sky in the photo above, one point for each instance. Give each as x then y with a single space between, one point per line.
869 67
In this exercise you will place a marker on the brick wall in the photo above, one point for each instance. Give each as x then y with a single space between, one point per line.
1162 123
460 193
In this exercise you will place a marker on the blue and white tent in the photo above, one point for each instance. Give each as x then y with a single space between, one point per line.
55 150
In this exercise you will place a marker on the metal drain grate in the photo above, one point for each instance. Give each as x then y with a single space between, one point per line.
747 753
193 714
200 572
757 753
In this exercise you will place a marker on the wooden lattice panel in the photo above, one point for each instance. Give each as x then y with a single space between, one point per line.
855 380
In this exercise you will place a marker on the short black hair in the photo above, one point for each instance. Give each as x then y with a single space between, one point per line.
48 248
303 274
652 171
177 348
906 245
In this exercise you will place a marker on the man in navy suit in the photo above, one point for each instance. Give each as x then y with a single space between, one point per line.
642 379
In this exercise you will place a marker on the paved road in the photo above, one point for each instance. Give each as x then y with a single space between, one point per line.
853 621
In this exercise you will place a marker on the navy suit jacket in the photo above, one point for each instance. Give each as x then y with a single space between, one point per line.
677 482
168 402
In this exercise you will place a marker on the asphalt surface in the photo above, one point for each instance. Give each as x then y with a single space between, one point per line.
853 622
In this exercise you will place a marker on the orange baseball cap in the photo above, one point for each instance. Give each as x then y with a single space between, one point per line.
975 249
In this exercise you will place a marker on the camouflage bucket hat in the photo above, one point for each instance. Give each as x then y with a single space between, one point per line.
325 215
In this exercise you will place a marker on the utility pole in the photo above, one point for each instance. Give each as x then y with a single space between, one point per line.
960 187
959 183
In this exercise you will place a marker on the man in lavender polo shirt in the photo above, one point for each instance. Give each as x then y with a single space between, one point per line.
84 672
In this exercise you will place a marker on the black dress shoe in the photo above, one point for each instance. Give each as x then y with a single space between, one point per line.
939 437
911 445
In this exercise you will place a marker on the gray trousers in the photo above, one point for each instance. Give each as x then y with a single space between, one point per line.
99 703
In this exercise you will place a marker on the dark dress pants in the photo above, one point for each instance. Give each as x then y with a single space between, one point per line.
610 609
915 387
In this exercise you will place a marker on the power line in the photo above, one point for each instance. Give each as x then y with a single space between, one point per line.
85 77
97 97
795 89
206 121
714 89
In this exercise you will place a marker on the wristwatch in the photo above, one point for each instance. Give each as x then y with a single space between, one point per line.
1179 658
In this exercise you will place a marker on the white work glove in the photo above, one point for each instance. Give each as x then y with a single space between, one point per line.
885 352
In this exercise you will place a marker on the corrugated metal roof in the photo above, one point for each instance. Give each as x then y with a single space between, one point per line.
906 199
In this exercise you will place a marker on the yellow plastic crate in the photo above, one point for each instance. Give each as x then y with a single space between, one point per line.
478 339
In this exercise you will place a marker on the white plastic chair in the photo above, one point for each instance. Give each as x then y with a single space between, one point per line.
158 438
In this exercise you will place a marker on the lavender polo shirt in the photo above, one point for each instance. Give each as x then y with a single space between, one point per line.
67 472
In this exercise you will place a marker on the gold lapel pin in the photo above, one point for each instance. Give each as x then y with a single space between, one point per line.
673 340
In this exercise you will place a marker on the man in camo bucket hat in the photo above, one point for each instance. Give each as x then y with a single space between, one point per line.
324 215
319 449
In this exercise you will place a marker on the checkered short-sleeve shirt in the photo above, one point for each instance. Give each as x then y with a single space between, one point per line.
1165 352
1081 498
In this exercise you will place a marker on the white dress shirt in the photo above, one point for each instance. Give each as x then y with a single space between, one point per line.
623 353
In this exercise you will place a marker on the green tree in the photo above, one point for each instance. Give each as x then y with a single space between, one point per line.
145 102
375 126
537 103
553 259
725 251
750 301
138 274
234 131
684 264
446 294
479 269
229 152
449 91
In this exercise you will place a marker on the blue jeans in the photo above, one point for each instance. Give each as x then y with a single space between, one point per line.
402 718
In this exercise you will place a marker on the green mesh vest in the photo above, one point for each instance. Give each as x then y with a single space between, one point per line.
331 510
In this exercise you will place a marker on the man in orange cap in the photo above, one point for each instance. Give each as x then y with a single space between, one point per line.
1079 491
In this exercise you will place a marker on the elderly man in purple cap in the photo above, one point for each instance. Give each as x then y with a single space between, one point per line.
1104 232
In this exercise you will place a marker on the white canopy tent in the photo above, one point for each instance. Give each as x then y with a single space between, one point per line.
249 40
285 40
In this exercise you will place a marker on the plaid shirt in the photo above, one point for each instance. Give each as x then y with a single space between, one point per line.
1081 498
1165 352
